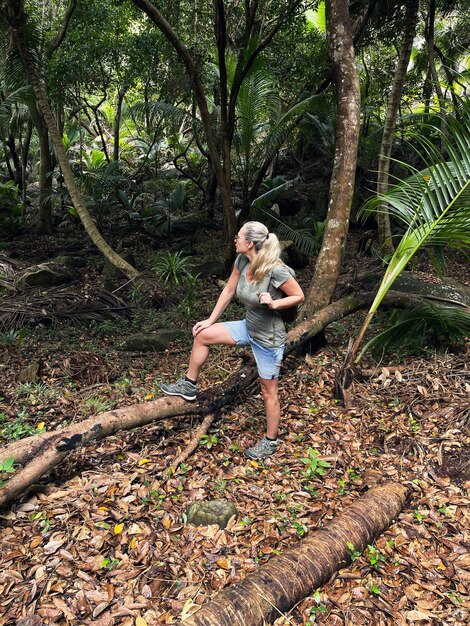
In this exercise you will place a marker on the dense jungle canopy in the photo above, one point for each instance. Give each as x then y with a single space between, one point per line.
136 139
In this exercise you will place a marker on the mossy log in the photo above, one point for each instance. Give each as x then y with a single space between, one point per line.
276 587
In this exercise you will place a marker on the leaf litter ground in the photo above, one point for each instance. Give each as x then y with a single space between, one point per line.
102 540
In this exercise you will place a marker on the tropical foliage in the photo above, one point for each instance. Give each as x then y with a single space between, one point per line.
433 203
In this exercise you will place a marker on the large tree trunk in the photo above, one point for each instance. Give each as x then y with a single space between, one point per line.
40 453
383 217
17 21
276 587
347 93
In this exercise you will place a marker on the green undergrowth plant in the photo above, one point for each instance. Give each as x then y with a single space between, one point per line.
314 466
420 326
6 467
13 337
13 430
172 267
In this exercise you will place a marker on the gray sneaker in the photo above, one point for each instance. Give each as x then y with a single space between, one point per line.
182 388
262 449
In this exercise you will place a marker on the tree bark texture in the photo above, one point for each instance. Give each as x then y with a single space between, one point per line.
347 94
17 22
383 217
276 587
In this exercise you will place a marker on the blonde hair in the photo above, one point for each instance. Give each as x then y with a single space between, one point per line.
267 248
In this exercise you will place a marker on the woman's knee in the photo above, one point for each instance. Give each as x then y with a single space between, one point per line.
269 389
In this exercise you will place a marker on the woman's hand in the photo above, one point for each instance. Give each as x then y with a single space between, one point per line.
198 326
265 298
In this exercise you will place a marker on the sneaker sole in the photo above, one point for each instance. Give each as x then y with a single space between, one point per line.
180 395
259 458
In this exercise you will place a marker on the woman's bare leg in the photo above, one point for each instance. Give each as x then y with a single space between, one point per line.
215 334
269 389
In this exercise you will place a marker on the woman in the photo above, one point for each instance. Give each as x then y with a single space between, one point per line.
264 284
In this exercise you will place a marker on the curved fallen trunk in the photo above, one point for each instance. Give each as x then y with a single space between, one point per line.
40 453
276 587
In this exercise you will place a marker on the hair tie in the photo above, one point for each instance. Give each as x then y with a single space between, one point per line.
267 236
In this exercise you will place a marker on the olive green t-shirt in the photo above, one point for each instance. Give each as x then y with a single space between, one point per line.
264 325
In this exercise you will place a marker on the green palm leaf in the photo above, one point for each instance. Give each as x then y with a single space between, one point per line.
433 203
421 324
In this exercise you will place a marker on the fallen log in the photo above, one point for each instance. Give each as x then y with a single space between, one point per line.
276 587
40 453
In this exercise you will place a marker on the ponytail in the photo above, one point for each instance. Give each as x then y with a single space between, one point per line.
267 248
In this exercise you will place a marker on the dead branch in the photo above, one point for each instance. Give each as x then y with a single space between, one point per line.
193 444
276 587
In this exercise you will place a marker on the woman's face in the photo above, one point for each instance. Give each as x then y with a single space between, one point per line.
241 244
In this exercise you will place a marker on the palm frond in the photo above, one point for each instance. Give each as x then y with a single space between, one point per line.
302 238
434 206
275 187
421 325
252 112
15 73
160 111
433 203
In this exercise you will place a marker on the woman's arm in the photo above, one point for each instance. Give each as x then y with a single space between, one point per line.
226 296
294 295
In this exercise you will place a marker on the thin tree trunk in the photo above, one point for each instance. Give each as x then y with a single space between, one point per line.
117 122
347 94
383 217
199 92
16 170
432 62
17 20
24 160
44 226
265 595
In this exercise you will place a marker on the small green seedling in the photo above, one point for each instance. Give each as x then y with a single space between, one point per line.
314 466
353 553
376 558
209 440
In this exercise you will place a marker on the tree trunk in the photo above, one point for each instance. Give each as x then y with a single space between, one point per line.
347 94
199 92
285 580
24 160
17 20
383 217
432 63
17 170
117 122
44 226
40 453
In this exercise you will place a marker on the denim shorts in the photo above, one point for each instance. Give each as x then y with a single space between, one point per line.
268 360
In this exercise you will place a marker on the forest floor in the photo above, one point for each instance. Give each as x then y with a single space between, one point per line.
103 539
